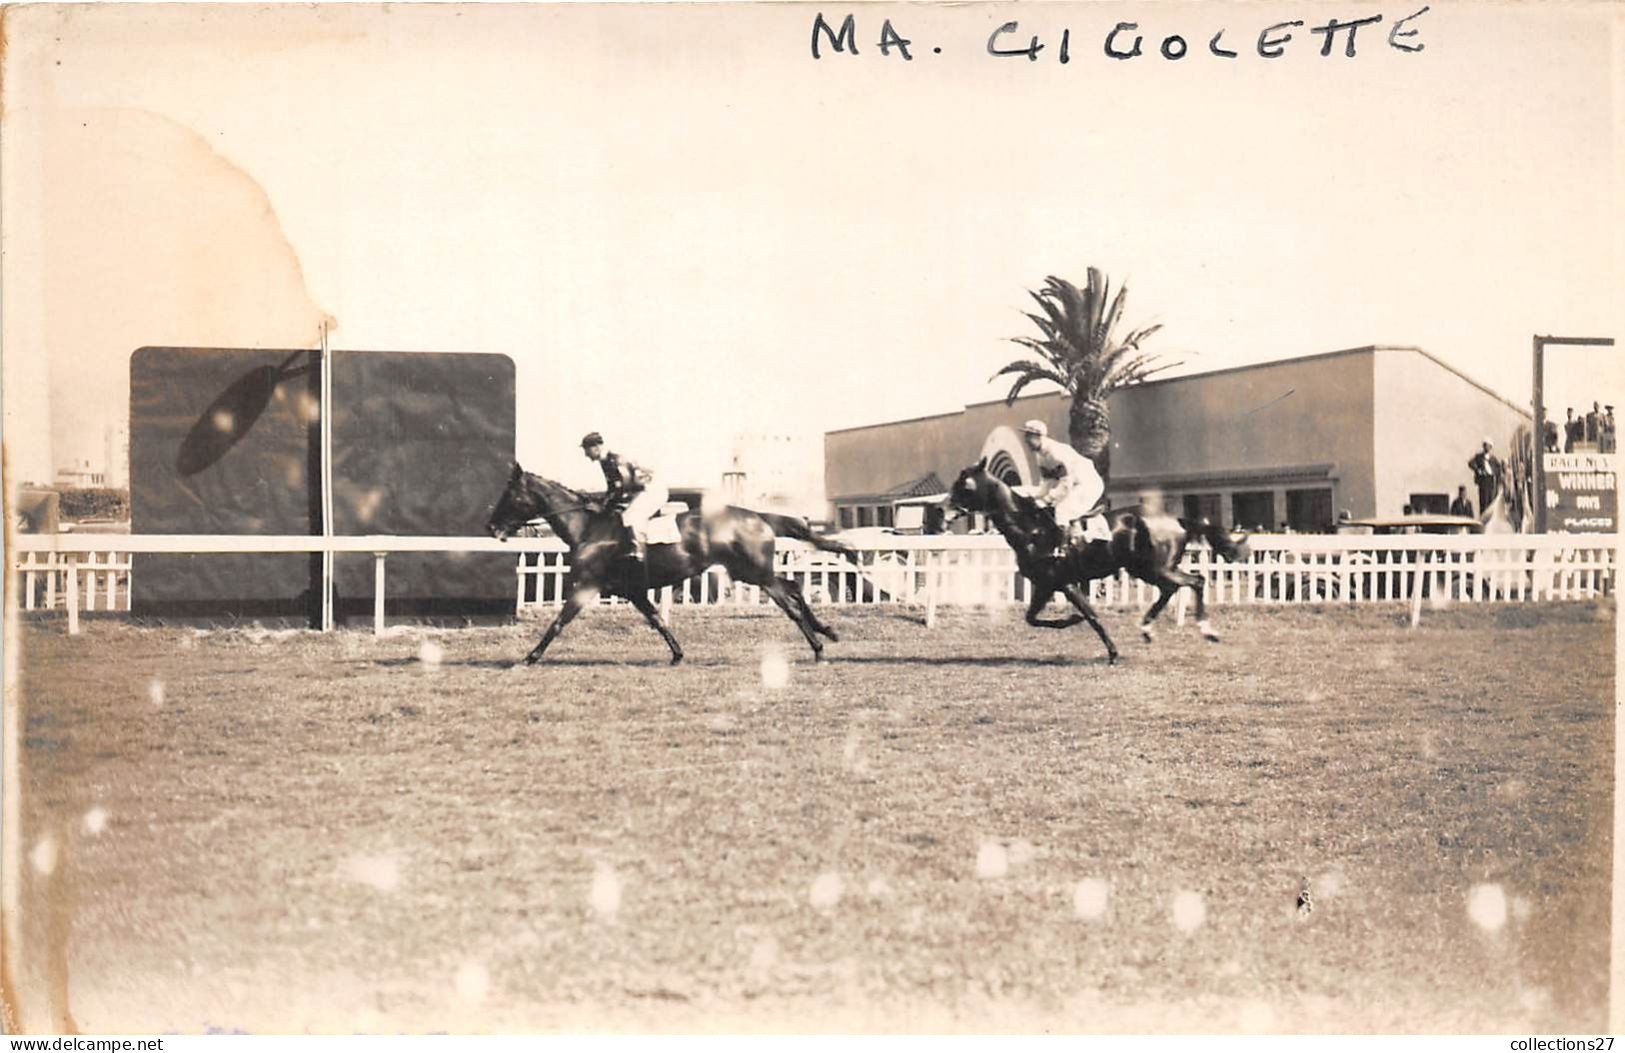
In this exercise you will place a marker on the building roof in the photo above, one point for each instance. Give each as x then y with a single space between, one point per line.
924 486
927 485
1367 349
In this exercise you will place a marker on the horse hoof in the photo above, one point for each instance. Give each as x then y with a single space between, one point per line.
832 637
1111 659
676 659
532 659
1145 634
1211 637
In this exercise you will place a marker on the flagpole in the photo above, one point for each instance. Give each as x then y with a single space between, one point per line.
327 479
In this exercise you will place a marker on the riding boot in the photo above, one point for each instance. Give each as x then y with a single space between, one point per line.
635 560
1071 540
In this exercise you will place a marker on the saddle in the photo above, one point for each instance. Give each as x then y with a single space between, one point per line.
662 527
1096 527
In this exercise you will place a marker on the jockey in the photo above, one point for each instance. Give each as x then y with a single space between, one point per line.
1072 486
632 488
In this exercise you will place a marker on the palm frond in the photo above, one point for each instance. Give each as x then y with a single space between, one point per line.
1075 347
1107 324
1028 373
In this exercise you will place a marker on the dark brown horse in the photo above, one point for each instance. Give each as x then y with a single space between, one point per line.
1148 547
736 538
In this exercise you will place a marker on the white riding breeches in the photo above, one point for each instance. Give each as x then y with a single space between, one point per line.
643 507
1074 500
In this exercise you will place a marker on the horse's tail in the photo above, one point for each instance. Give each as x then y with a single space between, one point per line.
798 528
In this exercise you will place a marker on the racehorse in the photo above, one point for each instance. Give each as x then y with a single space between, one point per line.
1148 547
736 538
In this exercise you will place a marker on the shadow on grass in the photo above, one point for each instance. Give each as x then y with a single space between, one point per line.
983 661
512 663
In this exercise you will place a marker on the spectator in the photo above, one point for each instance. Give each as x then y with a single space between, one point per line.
1574 430
1551 436
1461 506
1486 469
1608 430
1593 426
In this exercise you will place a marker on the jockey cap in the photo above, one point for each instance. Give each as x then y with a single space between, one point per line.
592 438
1035 427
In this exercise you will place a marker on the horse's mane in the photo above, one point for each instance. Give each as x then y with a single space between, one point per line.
591 502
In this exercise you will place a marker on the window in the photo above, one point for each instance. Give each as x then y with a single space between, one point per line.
866 515
883 516
1309 511
848 517
1430 504
1255 510
1202 506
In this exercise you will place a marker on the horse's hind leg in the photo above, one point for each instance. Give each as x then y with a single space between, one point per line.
1080 600
641 601
782 593
800 598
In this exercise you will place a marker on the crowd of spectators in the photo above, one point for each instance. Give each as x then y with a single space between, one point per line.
1591 432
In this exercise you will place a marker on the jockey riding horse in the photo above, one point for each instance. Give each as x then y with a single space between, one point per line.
1071 488
637 495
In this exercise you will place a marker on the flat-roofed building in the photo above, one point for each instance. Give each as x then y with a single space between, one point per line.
1290 443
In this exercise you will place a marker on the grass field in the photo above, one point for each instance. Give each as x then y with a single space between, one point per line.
980 826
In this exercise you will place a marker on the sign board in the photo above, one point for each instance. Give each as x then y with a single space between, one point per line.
1582 494
227 441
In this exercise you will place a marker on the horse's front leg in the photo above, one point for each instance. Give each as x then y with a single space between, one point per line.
641 601
1080 600
572 607
1041 598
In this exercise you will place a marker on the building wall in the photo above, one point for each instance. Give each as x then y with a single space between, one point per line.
1168 435
1430 421
873 459
1213 433
1290 429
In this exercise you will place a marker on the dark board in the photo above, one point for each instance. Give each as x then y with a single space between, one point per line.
226 441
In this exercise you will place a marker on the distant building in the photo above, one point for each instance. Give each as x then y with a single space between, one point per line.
1369 430
779 472
110 469
81 474
116 454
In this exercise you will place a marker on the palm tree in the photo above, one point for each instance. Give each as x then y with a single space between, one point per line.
1078 352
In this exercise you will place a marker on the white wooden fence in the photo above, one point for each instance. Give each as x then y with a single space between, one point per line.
1293 568
92 572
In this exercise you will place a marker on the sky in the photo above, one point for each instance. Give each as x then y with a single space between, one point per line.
682 226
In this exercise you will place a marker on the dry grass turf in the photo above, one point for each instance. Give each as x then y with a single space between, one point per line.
980 826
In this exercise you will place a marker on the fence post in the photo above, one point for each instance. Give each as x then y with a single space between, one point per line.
1418 580
931 580
73 597
378 593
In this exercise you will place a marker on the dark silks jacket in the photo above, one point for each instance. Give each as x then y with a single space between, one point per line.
622 477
